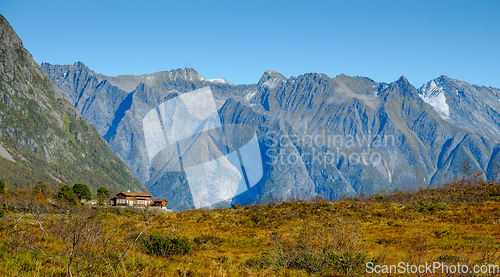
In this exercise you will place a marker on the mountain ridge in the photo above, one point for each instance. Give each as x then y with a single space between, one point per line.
43 136
425 146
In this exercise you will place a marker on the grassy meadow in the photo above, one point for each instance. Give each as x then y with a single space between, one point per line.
456 224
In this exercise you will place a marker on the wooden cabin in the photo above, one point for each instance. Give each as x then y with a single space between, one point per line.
132 199
161 203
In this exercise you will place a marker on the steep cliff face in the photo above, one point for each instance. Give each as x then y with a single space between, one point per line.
43 136
319 136
98 101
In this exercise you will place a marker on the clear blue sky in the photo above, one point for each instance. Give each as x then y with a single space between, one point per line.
240 39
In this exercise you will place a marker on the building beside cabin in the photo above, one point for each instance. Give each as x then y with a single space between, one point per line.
132 199
160 203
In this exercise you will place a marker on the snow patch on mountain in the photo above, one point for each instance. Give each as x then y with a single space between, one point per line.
272 83
218 81
251 94
433 95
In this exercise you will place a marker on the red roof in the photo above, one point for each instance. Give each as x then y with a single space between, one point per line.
135 194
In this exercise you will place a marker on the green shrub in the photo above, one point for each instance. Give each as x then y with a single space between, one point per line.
2 186
379 197
82 191
422 206
66 194
330 249
102 193
347 263
167 246
42 187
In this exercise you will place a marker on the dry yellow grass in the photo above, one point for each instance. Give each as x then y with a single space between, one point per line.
288 239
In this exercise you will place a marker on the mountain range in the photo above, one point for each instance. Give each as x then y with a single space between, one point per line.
43 137
319 136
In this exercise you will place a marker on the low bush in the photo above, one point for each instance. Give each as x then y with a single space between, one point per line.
167 246
423 206
329 249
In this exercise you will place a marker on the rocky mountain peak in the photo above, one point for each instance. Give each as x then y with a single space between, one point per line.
80 65
8 34
473 107
17 66
433 94
444 78
43 134
271 77
403 88
188 74
403 82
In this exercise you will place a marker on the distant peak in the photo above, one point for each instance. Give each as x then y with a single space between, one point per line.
403 88
8 35
80 64
271 76
443 78
274 74
403 84
190 70
402 80
433 94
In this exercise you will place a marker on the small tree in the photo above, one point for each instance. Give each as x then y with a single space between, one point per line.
102 193
2 186
82 191
42 187
67 195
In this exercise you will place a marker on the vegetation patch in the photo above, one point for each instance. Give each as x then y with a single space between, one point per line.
426 206
167 246
209 240
41 235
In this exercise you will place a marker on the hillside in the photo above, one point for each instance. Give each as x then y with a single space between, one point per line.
42 136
